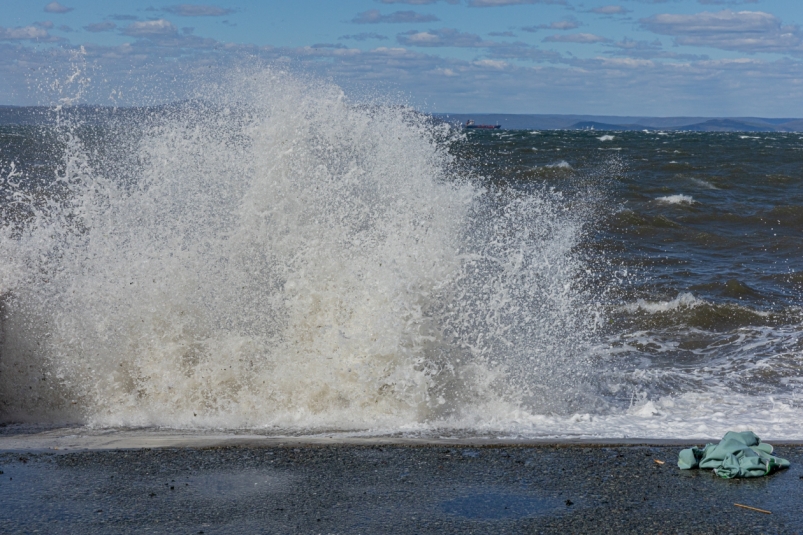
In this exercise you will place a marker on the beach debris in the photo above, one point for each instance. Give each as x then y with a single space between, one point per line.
656 461
737 455
753 508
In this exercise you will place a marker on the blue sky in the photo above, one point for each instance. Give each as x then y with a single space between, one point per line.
605 57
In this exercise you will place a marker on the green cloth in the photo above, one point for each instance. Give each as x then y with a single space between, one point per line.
737 455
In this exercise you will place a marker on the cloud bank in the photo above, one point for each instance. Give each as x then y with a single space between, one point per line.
743 31
197 10
373 16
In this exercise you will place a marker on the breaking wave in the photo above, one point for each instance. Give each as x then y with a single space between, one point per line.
676 199
274 255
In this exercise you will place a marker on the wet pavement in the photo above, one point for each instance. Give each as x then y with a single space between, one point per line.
346 488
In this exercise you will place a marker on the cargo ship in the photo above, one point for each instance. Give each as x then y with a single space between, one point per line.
470 124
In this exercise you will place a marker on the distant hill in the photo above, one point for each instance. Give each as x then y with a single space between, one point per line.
614 123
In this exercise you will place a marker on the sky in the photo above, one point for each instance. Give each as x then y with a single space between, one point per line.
604 57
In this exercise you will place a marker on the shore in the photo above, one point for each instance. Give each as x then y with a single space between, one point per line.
185 483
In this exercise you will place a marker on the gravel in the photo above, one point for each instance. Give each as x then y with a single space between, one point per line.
343 488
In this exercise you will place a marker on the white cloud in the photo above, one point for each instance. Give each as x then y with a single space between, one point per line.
566 24
746 31
633 77
100 26
610 10
417 2
363 36
150 28
720 2
23 33
390 51
198 10
443 37
373 16
576 38
725 21
524 52
492 64
55 7
630 63
500 3
146 69
647 50
719 63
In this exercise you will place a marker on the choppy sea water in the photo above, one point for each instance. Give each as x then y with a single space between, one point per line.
277 258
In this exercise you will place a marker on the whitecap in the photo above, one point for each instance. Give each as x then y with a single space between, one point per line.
683 300
703 183
677 199
605 138
563 164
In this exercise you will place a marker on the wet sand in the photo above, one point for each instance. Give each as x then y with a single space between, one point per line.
247 484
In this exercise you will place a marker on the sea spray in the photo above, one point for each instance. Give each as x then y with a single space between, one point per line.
272 255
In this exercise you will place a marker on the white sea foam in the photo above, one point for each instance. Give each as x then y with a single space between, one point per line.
563 164
683 300
606 138
704 183
275 256
676 199
692 415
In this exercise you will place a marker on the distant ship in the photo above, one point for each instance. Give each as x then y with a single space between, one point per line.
470 124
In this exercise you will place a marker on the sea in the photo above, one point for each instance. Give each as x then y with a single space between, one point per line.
275 256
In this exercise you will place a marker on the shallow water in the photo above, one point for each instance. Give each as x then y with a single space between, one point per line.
276 257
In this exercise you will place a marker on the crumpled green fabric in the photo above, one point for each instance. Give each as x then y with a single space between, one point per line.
737 455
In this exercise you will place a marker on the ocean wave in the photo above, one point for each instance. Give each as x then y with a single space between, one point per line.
676 199
683 300
563 164
275 255
606 138
703 183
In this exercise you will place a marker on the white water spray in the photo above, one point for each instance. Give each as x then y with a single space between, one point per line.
274 256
